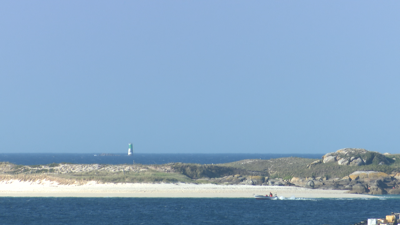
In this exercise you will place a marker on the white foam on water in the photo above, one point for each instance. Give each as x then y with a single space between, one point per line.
293 198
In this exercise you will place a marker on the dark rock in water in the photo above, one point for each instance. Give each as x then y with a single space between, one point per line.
310 184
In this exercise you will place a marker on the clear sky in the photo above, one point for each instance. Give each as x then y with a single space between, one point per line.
199 76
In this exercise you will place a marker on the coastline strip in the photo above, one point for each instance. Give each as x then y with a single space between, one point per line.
44 188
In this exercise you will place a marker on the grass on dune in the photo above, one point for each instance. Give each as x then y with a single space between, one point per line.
129 177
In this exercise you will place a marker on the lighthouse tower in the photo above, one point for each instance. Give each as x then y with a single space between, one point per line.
130 149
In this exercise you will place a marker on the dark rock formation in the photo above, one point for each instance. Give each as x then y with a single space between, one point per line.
375 190
358 189
395 191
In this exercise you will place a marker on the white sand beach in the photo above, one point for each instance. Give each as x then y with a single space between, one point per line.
45 188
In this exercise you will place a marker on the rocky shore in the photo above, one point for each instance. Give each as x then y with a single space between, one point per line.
357 182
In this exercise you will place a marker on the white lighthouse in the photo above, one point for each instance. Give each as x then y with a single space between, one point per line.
130 149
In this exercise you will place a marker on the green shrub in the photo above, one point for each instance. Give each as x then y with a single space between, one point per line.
35 166
375 158
196 171
53 164
288 177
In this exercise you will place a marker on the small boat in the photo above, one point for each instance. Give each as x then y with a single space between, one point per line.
263 197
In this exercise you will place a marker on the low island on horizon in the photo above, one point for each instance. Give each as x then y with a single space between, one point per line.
348 172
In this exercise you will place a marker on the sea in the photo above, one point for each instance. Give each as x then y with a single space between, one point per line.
111 210
139 158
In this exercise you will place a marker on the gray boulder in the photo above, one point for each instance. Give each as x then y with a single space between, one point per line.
310 184
343 182
395 191
298 181
248 182
359 189
343 161
356 162
375 190
348 187
328 159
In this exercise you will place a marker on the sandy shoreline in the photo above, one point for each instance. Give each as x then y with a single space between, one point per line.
15 188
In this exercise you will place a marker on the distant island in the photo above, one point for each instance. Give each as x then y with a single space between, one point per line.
355 170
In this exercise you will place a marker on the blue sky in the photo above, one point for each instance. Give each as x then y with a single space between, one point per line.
199 76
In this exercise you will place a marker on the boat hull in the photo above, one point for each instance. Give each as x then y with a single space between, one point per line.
263 197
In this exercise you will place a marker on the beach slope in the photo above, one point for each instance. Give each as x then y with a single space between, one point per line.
45 188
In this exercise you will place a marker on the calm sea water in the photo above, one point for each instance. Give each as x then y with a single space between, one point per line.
190 211
47 158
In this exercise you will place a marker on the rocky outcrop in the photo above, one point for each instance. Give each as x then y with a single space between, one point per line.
256 180
298 181
355 157
328 158
359 182
375 190
396 176
305 182
356 162
314 163
310 184
343 161
394 191
367 174
358 189
247 180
